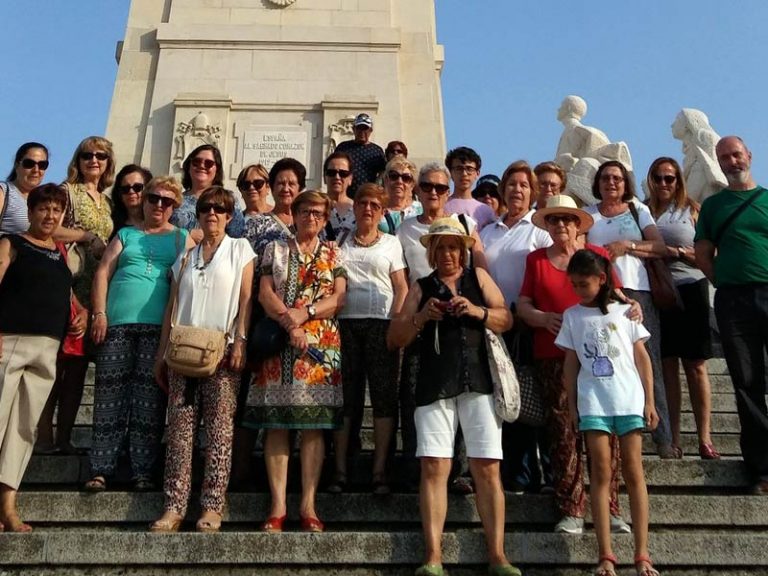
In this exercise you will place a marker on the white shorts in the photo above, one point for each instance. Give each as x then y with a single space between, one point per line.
436 426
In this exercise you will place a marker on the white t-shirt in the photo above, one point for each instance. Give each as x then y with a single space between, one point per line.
608 383
409 233
369 285
631 269
506 250
209 296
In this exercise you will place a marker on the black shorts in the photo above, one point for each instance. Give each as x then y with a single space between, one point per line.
686 333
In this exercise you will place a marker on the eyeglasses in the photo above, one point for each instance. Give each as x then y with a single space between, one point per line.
564 218
611 178
28 163
157 200
666 178
100 156
394 175
332 173
206 208
549 185
308 212
255 184
136 188
465 168
428 187
374 206
205 163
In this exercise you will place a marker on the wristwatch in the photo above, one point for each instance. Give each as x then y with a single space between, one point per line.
633 247
311 311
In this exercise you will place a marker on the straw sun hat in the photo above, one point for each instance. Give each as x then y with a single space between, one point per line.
562 204
446 227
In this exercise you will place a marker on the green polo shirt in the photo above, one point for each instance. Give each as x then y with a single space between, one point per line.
742 252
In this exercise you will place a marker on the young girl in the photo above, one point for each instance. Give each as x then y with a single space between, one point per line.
609 380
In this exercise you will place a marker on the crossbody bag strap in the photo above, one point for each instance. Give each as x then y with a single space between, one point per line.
636 216
281 224
463 220
735 214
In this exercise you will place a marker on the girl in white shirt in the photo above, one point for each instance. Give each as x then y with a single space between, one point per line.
609 380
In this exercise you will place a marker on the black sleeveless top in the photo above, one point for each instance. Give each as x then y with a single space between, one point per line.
34 294
462 364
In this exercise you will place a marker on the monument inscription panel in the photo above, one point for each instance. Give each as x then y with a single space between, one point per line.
267 145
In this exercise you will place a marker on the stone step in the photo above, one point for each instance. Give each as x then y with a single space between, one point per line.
363 570
365 549
249 509
693 473
726 444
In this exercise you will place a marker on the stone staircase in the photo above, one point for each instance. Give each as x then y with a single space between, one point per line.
701 523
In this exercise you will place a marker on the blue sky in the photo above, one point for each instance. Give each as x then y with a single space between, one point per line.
508 66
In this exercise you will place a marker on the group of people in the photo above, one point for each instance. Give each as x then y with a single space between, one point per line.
389 282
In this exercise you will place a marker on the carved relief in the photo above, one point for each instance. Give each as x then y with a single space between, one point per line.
339 132
281 3
198 131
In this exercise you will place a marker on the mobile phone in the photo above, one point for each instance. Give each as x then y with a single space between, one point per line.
316 355
445 306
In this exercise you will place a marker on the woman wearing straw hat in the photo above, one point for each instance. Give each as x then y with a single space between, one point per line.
450 309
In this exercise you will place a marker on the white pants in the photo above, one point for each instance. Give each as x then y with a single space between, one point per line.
27 373
436 426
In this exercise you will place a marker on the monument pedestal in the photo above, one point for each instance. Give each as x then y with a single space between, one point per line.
264 79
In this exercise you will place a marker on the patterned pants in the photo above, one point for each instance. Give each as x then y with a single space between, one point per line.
216 398
127 400
567 448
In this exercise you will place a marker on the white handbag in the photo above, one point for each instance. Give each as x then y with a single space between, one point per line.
506 388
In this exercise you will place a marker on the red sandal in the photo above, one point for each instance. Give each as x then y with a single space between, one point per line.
273 524
648 569
309 524
601 571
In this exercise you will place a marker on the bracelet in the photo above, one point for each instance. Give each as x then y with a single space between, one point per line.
97 314
416 324
485 314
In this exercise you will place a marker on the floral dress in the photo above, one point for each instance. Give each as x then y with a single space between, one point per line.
301 390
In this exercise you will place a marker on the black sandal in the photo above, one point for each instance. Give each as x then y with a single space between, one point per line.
338 485
379 485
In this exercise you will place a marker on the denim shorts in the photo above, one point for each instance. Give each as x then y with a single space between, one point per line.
618 425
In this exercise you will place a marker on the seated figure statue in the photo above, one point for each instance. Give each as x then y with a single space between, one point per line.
582 149
702 173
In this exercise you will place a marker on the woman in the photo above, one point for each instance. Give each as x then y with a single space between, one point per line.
629 242
552 181
685 334
337 170
395 148
202 169
254 187
130 293
128 197
35 288
451 308
546 293
399 180
508 241
218 266
302 286
487 191
376 289
29 166
87 223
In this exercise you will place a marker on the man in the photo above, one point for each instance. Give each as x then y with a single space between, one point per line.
732 250
367 158
464 166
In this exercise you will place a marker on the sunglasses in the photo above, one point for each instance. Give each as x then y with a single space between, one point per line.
666 178
564 218
397 152
28 163
394 175
611 178
429 187
101 156
316 214
205 163
332 173
374 206
255 184
157 200
206 208
136 188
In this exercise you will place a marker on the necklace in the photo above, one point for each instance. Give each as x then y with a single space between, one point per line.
201 257
364 244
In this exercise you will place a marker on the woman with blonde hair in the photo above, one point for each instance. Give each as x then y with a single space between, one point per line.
399 181
253 183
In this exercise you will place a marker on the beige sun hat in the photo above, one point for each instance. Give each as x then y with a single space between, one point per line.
446 227
562 204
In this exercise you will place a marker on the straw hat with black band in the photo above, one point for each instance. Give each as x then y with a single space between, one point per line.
562 204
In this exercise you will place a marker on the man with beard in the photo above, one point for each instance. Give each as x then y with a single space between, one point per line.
732 250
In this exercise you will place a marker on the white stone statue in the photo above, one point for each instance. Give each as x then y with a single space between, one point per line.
582 149
702 173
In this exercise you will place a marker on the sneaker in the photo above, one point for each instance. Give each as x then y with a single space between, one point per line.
570 525
515 487
618 526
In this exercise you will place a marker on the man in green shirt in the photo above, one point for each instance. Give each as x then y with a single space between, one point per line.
732 250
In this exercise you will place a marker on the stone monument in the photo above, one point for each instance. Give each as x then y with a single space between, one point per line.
582 149
702 173
265 79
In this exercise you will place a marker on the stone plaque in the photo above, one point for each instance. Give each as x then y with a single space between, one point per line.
266 145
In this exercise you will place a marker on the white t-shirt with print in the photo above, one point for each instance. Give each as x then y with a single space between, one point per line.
608 382
369 285
631 269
